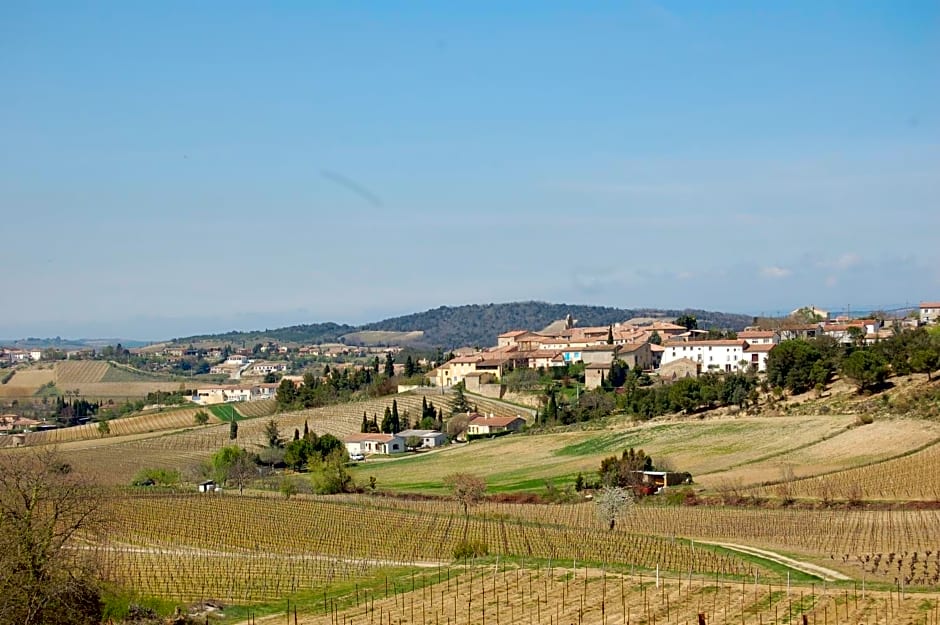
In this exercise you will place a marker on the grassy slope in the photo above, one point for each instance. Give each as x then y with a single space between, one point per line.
712 450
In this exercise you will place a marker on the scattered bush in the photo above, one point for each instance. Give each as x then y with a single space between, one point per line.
470 549
156 477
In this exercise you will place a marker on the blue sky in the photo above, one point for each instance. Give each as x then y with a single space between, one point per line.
176 167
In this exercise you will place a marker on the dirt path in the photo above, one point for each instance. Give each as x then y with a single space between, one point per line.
828 575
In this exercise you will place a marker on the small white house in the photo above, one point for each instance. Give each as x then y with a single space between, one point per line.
490 424
374 444
429 438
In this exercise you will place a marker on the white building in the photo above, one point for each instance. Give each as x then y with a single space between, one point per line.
374 444
721 355
221 395
264 368
929 312
429 438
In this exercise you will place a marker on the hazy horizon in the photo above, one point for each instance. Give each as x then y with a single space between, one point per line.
175 168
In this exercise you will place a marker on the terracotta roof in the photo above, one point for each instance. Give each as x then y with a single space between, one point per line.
512 333
657 348
464 359
493 421
665 325
597 365
930 304
594 348
756 334
630 347
759 347
716 343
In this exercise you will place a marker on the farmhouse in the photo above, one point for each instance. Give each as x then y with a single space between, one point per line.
264 368
12 423
428 438
489 424
929 312
374 444
721 355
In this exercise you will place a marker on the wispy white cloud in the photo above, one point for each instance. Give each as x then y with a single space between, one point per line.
774 272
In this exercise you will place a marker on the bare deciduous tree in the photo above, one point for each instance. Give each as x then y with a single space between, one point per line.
467 490
612 502
45 510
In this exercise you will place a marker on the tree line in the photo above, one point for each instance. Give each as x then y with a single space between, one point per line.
800 365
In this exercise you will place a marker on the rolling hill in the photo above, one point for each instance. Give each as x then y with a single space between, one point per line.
473 324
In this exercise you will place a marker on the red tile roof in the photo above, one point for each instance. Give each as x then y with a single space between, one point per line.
493 421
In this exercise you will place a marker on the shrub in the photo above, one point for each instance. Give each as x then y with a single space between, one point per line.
156 477
681 497
470 549
864 419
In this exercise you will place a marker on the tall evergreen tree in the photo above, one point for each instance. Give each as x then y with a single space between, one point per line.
396 420
387 421
296 434
233 429
306 430
610 335
409 366
389 365
365 423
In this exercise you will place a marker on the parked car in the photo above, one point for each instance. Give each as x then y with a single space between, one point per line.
357 457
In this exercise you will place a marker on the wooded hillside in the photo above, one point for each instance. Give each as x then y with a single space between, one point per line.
475 324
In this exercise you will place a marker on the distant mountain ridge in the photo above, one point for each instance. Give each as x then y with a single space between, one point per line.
474 324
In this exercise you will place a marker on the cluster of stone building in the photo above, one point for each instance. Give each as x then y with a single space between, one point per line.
679 352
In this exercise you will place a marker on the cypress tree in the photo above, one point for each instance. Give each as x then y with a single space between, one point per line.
387 421
396 421
233 429
365 423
